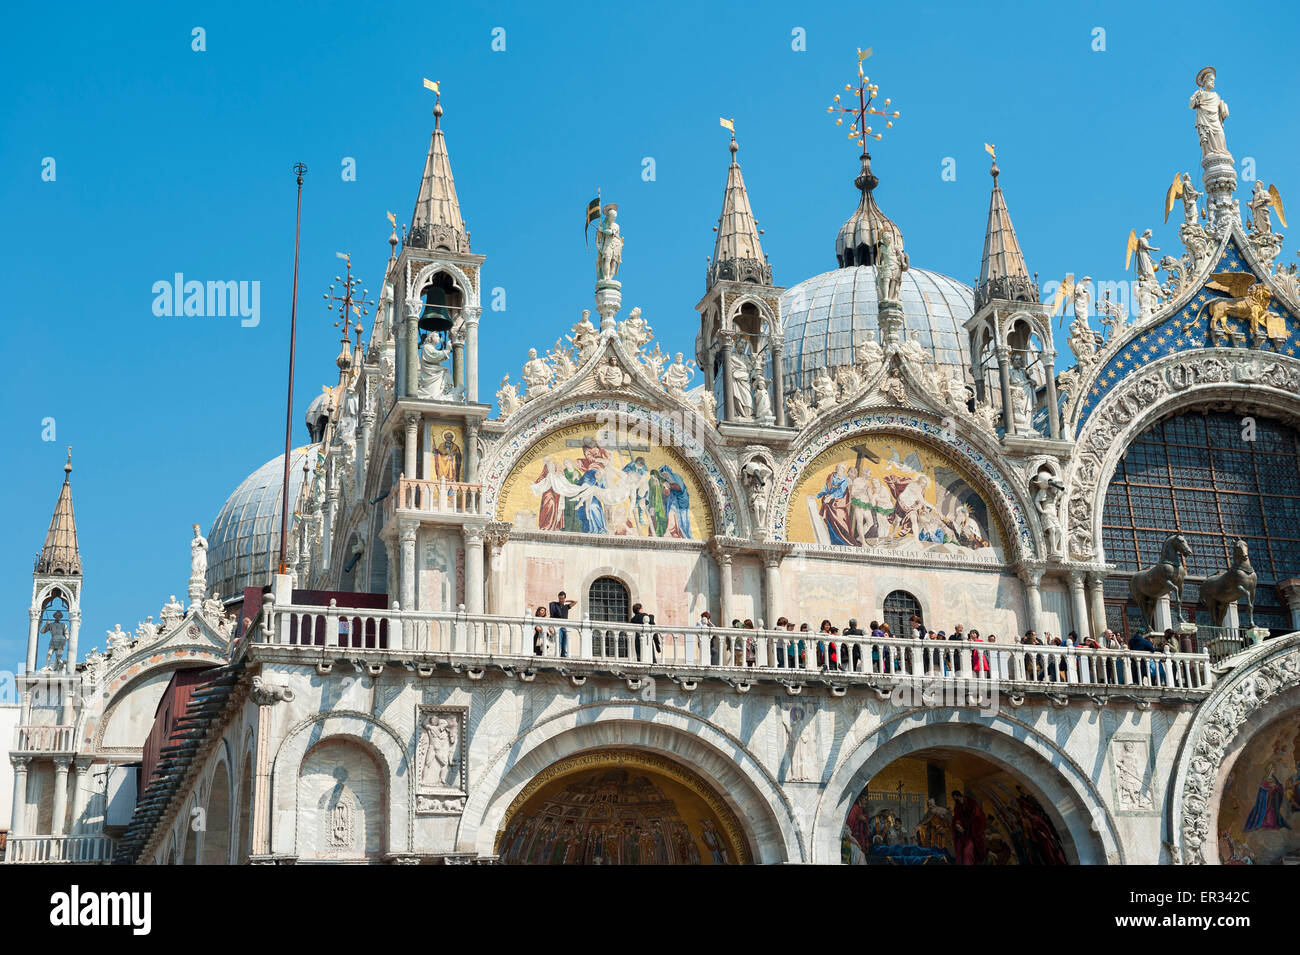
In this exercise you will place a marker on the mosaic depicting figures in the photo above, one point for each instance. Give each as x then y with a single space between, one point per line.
615 817
1259 815
900 819
445 455
884 492
582 480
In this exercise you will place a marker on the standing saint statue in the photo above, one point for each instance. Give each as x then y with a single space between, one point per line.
742 396
1211 111
198 555
609 246
433 367
441 737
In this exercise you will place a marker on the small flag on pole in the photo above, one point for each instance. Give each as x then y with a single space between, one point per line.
863 54
729 124
989 149
392 219
431 85
593 213
341 255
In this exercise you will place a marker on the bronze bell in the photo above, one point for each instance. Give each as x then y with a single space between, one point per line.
435 318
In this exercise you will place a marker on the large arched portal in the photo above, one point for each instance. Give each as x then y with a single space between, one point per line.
620 807
1259 804
943 806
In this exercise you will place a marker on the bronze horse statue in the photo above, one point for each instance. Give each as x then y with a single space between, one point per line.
1166 576
1223 590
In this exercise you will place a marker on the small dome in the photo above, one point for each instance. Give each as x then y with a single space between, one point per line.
318 413
827 318
244 541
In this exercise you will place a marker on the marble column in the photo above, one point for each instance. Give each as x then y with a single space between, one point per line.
1079 605
778 391
74 637
724 588
496 536
771 588
1004 373
1290 592
1053 407
33 637
81 793
412 363
1097 602
61 766
407 530
471 353
1033 600
728 403
411 463
471 454
473 535
18 818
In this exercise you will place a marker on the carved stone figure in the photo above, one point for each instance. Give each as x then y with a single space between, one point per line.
198 555
742 396
1113 316
118 640
848 380
1148 298
756 475
1084 340
1146 269
986 416
1165 577
762 396
824 388
1046 499
58 631
609 246
799 409
635 331
1222 591
268 694
891 263
1260 205
440 769
610 374
171 614
434 377
585 338
869 355
1189 194
508 397
677 377
537 374
914 354
1211 112
1022 395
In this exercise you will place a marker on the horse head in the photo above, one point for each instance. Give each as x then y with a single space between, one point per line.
1176 545
1240 553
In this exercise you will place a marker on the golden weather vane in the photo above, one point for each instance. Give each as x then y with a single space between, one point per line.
867 93
352 302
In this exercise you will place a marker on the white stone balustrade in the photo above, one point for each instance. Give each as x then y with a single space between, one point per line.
81 850
434 497
43 739
731 654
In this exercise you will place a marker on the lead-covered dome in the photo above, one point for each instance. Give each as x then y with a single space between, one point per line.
828 316
244 541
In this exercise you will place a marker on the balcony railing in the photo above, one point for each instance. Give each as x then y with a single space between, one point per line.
43 739
435 497
737 655
81 850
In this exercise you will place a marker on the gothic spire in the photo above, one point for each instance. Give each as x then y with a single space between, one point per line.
60 555
436 222
1003 273
737 252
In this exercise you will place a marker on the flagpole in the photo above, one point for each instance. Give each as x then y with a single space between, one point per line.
299 169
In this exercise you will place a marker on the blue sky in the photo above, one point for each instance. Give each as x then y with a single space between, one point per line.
169 160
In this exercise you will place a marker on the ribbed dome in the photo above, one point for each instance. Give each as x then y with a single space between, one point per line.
828 315
244 542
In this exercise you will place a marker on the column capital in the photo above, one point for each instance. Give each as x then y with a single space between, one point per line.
1030 576
1096 577
62 764
19 763
497 532
1075 579
82 763
407 528
411 419
473 533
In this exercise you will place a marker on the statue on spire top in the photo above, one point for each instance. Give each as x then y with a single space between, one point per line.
1211 112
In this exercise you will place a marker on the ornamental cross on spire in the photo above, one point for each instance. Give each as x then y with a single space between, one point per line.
867 93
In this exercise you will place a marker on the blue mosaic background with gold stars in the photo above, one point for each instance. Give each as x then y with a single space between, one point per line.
1185 330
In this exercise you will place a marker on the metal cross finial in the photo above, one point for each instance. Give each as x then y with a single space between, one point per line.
352 301
867 91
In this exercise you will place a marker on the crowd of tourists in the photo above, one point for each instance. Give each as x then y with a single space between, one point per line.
852 648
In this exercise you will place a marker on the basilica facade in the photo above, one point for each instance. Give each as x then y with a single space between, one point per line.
878 446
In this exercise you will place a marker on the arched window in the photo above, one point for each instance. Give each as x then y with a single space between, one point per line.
608 600
900 607
1198 474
